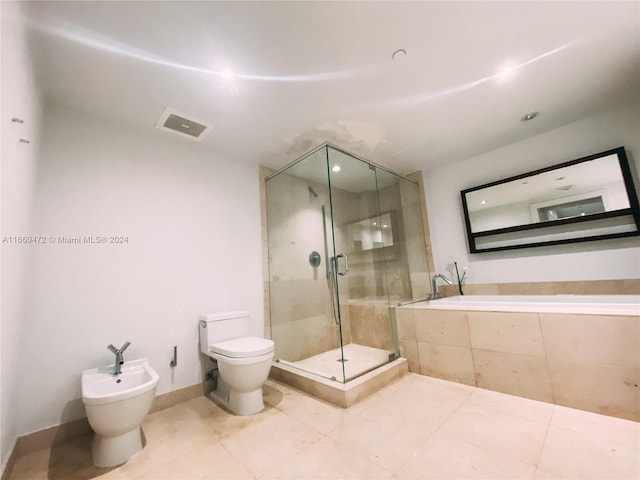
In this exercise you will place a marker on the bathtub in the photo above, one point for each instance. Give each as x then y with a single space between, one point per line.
583 304
579 351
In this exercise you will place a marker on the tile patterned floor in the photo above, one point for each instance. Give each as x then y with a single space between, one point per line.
416 428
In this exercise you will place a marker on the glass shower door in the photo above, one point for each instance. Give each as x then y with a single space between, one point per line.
303 291
364 237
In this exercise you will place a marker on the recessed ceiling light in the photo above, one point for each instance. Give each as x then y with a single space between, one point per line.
336 168
529 116
483 202
506 72
398 54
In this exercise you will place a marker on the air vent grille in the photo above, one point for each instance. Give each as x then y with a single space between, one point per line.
184 125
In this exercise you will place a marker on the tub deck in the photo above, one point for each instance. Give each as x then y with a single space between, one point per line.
581 304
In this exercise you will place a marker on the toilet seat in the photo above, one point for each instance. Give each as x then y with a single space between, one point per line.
267 357
243 347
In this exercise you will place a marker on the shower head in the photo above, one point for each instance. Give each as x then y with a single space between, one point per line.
312 191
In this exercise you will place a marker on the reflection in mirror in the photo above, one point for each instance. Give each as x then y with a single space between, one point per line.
370 233
577 190
501 215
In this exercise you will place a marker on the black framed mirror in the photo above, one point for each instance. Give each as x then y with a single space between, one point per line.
590 198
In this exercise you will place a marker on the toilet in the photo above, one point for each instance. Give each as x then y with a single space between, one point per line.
243 361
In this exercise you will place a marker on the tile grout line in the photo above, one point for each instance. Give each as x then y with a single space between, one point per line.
546 436
404 464
254 475
546 360
508 414
436 429
457 408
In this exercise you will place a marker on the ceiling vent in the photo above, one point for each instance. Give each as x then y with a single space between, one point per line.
184 125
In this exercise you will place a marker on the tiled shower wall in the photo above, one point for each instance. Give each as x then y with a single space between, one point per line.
590 362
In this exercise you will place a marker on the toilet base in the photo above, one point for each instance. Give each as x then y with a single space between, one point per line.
240 403
112 451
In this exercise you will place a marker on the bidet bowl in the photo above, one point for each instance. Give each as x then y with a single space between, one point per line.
100 386
116 406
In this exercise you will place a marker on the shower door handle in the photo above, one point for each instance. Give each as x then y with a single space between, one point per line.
346 264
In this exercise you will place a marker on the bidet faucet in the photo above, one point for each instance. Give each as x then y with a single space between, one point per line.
434 289
119 358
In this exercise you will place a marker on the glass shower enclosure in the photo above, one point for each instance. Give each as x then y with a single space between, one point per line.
346 243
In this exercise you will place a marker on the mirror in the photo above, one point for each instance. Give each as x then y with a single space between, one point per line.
589 198
371 233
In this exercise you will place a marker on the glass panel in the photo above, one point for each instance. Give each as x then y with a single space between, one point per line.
406 259
345 239
365 235
304 309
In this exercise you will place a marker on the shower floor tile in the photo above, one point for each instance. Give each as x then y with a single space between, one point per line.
359 359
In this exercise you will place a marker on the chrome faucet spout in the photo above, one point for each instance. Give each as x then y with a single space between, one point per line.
434 289
119 358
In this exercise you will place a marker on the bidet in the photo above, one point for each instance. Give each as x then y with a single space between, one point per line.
116 406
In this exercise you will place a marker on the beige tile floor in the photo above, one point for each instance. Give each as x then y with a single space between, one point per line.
416 428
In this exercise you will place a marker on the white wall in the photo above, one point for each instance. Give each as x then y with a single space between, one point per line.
607 259
193 227
19 99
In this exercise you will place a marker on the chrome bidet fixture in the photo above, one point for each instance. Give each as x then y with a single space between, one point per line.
119 358
434 289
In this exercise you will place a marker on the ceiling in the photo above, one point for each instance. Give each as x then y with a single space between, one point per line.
279 78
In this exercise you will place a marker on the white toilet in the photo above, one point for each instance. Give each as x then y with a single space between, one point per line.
243 361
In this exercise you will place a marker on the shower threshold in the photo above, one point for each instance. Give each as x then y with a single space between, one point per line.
341 394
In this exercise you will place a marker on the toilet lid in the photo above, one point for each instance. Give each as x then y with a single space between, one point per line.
243 347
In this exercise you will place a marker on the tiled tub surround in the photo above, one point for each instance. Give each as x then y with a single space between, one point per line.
580 360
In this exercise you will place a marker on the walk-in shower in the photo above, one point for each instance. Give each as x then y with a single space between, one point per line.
346 243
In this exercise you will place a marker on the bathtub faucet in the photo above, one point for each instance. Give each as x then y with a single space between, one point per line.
434 289
119 358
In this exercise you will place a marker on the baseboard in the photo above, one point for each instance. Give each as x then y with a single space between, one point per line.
9 461
48 437
170 399
68 431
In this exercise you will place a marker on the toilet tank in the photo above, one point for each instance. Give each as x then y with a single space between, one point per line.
218 327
